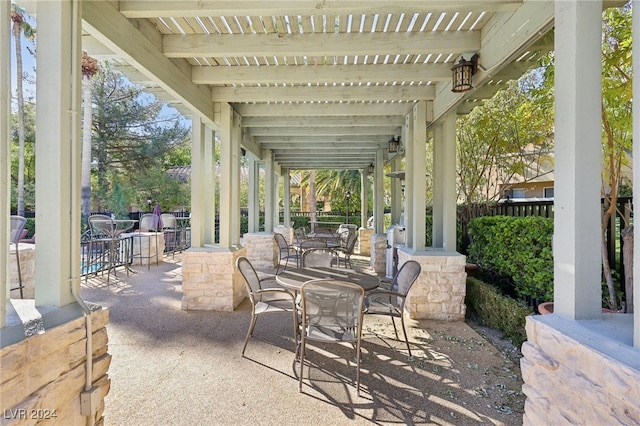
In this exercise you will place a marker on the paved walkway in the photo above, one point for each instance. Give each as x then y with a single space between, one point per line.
175 367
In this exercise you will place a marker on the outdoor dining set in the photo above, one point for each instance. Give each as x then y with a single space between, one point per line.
109 243
326 299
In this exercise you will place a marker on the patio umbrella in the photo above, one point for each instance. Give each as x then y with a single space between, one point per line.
158 211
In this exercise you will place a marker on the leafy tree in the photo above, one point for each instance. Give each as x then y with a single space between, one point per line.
508 137
19 27
27 158
131 135
89 69
616 119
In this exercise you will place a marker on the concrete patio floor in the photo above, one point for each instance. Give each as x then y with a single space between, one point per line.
175 367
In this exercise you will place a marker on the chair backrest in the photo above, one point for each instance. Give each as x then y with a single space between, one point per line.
319 257
168 221
333 304
405 277
17 226
101 225
251 279
300 234
351 243
282 242
149 222
313 243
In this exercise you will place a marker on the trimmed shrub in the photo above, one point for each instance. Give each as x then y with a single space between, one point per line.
515 247
489 307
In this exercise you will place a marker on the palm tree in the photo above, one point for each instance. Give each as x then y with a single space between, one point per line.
20 26
89 68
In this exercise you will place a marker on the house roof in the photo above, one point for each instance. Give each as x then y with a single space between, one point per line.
320 84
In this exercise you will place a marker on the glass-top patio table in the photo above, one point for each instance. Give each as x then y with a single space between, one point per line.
292 279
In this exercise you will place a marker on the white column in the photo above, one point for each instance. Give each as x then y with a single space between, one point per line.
396 190
437 226
449 193
5 163
226 186
636 175
416 185
209 186
197 182
253 194
268 187
58 147
577 238
407 189
364 197
286 176
378 193
235 179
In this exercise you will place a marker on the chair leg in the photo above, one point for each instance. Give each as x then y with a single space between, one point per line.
358 356
302 346
404 330
254 317
19 272
393 321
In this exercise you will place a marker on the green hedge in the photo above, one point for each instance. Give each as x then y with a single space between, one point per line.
518 248
486 305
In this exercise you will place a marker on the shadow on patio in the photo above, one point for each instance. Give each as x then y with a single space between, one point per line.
176 367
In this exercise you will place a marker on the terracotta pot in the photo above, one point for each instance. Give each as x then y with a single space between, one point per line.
545 308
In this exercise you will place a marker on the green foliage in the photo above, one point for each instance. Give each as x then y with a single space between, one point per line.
301 221
31 226
516 247
489 307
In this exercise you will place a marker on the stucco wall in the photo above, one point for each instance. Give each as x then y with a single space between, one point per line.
568 381
43 376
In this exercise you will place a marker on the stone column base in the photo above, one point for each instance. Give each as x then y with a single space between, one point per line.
363 246
261 249
210 280
574 374
379 253
27 270
441 287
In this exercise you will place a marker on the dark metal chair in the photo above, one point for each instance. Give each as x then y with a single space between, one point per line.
331 313
285 252
391 302
265 300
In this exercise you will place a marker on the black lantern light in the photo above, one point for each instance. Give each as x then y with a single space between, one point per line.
462 73
372 168
394 144
148 204
347 197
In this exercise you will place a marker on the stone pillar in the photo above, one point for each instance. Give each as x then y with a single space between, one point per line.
573 375
441 287
364 241
379 253
210 280
261 249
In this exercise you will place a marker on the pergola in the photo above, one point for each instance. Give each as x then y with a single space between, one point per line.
325 84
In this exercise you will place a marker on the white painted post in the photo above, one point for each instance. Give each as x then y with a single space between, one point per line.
577 238
636 174
5 163
449 193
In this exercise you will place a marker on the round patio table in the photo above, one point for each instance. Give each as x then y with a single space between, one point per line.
292 279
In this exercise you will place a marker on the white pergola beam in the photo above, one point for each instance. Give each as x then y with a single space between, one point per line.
193 8
326 131
376 120
323 93
319 44
302 74
334 109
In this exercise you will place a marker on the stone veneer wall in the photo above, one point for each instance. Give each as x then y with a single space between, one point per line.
567 382
441 287
261 249
210 279
363 246
379 253
27 268
43 375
